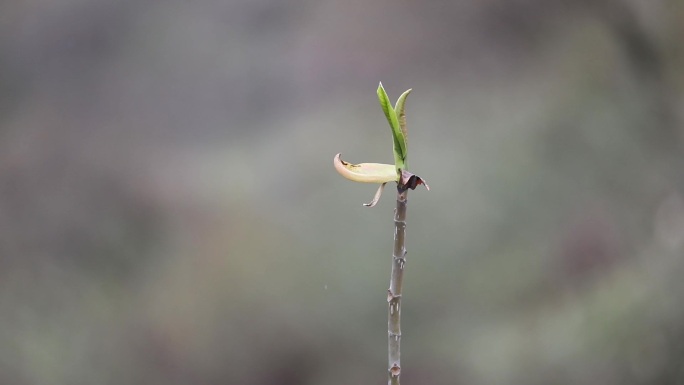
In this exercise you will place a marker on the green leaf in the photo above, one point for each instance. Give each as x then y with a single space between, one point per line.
397 134
399 109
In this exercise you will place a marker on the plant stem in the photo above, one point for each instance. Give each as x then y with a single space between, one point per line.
394 291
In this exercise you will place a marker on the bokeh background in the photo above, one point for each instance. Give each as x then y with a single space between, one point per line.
169 213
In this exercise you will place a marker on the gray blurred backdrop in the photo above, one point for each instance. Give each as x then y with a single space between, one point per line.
169 213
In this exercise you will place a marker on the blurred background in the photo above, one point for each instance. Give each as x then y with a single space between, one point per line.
169 213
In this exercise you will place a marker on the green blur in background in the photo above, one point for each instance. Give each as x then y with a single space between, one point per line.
169 213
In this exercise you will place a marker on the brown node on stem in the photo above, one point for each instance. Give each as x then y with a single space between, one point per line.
395 370
410 180
391 296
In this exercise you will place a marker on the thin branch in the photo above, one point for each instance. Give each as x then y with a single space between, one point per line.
394 291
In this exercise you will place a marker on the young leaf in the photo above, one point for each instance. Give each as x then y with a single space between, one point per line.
399 109
397 134
366 172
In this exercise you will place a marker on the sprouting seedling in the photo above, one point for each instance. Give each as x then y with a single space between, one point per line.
382 174
379 172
